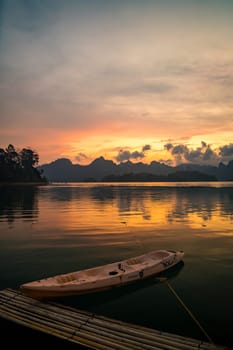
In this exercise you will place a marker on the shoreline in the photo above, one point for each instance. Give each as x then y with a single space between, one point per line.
24 183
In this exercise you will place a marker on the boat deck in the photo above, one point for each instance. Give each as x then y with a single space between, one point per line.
90 330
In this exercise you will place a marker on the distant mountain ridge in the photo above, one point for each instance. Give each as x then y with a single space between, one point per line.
63 170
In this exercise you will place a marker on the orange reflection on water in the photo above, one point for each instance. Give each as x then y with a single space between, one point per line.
120 209
215 223
95 209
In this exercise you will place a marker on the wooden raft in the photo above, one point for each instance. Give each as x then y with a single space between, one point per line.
90 330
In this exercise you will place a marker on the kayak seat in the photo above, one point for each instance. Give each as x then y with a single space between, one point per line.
66 278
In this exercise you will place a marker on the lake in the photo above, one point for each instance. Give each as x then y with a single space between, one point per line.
63 227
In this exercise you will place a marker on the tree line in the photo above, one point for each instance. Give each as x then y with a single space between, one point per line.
178 176
19 166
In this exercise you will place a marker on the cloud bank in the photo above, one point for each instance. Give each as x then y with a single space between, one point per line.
203 155
125 155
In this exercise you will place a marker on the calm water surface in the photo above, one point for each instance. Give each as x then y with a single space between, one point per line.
59 228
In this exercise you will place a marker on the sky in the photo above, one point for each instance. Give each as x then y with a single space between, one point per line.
127 80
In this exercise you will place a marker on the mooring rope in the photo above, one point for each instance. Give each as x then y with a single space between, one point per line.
164 280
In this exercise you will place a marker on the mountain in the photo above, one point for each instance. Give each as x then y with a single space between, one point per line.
63 170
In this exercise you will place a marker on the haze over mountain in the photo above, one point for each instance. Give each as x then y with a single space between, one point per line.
63 170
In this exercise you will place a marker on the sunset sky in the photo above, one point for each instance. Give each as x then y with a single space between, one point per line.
127 80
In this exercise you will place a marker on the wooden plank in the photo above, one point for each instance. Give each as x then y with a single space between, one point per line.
94 325
113 324
88 329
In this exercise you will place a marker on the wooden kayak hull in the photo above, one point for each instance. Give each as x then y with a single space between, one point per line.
104 277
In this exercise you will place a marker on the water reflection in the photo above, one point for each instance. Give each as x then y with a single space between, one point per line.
18 203
205 202
98 206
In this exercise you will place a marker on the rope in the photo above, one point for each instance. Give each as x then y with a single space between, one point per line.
164 280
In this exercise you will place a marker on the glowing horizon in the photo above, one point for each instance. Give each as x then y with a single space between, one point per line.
82 80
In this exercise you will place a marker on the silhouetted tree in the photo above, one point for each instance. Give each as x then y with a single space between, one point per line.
28 158
19 166
2 156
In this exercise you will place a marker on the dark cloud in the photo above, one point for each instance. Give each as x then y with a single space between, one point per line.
146 148
226 150
179 149
124 155
209 154
127 155
200 155
81 156
168 146
204 144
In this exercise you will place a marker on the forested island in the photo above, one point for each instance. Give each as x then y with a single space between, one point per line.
179 176
19 166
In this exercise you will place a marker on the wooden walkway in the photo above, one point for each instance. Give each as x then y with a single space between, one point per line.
90 330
